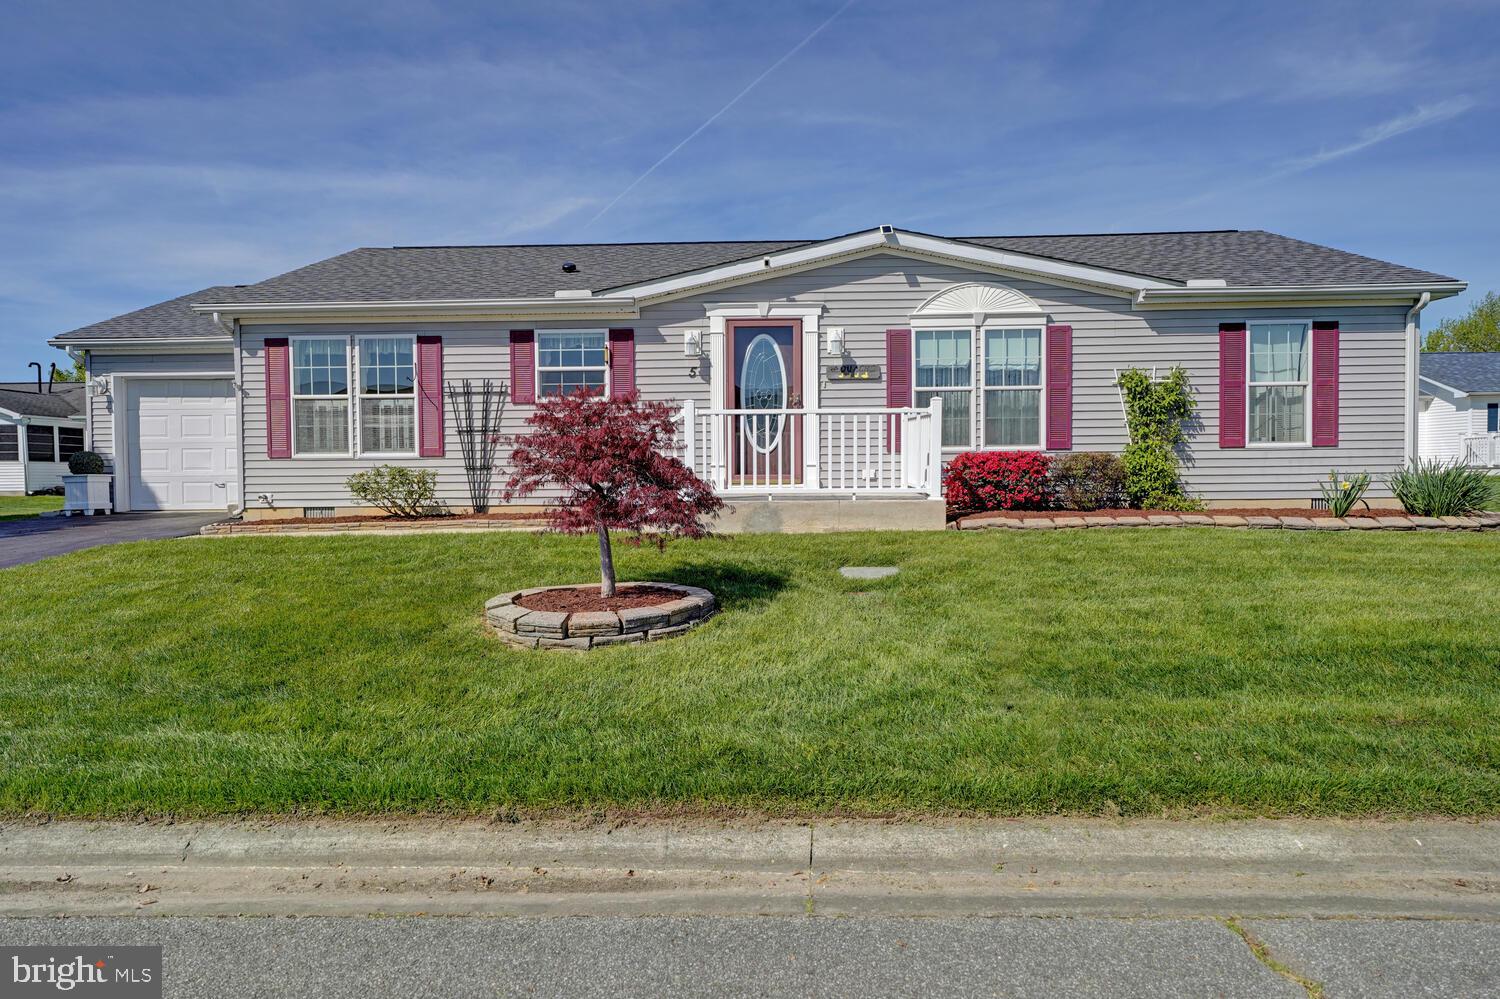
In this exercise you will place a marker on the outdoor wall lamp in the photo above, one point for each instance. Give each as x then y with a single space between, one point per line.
692 343
836 340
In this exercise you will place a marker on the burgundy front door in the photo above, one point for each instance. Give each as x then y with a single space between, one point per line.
764 373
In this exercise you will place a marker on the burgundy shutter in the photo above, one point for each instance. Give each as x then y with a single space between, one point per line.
621 363
1231 385
1325 384
897 379
278 398
1059 388
523 367
430 395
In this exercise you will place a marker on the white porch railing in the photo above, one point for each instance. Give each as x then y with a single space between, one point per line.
857 451
1483 450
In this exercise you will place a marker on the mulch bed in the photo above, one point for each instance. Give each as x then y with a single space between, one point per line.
1238 511
385 518
587 598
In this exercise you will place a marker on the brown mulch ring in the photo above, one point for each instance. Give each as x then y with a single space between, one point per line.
1237 511
566 600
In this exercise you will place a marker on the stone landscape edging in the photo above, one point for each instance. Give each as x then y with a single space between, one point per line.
578 631
1402 522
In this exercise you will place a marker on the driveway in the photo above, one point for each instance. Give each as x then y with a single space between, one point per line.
23 541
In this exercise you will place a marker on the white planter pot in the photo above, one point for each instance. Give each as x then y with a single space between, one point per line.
86 493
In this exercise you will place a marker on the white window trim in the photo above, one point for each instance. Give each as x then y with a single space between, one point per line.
930 326
927 324
1040 387
608 367
1307 408
358 395
348 397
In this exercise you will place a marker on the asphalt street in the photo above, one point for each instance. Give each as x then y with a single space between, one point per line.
331 957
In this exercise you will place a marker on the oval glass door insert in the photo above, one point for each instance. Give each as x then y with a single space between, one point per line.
763 386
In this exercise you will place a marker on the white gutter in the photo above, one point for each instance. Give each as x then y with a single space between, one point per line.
1250 293
1413 373
612 305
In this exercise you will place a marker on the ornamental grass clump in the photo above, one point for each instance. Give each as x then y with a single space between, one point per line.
1155 411
1341 492
1434 488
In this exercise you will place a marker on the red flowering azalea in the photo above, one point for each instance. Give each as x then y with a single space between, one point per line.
609 458
997 480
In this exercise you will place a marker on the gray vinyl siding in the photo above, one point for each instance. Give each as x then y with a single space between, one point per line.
868 295
102 406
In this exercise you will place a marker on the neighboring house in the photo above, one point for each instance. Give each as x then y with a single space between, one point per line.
1460 413
40 429
811 369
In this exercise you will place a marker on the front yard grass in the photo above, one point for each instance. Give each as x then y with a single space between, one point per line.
22 507
1187 670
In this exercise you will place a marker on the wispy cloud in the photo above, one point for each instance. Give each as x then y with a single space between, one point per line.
1424 115
719 113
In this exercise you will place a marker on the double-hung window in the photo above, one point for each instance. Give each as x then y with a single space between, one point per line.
387 395
944 369
1012 387
320 395
1278 383
570 360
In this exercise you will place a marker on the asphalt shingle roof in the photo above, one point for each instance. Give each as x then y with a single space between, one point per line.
65 399
1467 371
424 273
172 318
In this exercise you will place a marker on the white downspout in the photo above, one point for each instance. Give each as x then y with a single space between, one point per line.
1413 370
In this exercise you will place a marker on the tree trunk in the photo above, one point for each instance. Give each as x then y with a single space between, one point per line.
606 564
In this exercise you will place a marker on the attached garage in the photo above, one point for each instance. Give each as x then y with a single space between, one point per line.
181 447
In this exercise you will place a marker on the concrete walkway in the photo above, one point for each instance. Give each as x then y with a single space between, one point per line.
1255 908
23 541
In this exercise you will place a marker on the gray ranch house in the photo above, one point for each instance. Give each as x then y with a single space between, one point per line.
821 382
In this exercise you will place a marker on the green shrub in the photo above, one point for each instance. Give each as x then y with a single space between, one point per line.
1435 488
1341 492
1154 414
1088 480
86 463
401 492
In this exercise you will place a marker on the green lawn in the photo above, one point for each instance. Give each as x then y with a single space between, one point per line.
1087 671
21 507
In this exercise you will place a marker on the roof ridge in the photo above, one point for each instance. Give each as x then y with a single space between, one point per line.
544 246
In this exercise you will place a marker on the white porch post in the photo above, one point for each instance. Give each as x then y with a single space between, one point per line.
812 382
689 422
935 448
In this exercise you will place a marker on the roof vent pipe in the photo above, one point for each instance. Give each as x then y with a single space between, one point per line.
569 267
38 366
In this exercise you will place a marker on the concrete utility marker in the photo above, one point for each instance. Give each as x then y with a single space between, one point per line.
1026 867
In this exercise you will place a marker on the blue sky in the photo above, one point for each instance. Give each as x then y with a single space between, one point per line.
152 149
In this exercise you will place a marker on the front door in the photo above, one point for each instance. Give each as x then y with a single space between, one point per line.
765 375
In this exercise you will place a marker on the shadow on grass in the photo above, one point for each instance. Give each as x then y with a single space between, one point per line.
735 589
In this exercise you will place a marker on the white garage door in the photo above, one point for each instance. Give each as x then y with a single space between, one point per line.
182 444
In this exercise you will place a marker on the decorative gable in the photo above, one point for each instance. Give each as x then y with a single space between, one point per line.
978 298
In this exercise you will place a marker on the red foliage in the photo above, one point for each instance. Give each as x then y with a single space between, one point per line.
608 456
997 480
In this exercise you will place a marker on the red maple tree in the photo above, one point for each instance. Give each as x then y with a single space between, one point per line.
609 459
